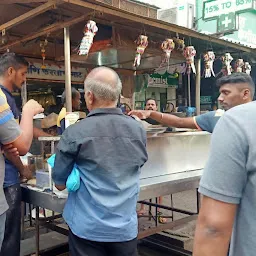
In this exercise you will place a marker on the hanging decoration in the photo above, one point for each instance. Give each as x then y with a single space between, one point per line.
239 65
142 43
190 53
179 44
168 46
90 31
209 58
4 37
43 44
247 68
226 66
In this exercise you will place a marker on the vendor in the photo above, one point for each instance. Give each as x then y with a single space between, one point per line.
151 105
76 102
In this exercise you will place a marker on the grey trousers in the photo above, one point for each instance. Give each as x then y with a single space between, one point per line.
11 243
2 228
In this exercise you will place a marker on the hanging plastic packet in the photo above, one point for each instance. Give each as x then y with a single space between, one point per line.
73 181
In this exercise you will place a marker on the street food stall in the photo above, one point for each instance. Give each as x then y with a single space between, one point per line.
80 35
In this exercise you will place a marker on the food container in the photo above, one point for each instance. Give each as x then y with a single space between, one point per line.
42 179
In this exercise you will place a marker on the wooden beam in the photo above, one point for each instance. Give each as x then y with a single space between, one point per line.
156 23
30 14
22 1
46 30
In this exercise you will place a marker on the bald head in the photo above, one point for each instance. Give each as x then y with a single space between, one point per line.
104 83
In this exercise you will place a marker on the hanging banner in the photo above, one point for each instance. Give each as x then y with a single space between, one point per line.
165 80
53 72
213 9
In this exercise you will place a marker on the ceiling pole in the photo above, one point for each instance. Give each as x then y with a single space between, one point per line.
67 69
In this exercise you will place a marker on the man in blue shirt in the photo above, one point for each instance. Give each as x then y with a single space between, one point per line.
235 89
13 70
109 149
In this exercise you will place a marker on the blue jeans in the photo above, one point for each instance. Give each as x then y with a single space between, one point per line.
2 228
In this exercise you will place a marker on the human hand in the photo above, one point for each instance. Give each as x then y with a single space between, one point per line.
141 114
33 107
26 173
10 150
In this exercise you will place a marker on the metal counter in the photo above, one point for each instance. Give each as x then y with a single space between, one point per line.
170 153
149 188
175 164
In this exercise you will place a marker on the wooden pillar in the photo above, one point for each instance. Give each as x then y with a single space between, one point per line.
67 69
198 85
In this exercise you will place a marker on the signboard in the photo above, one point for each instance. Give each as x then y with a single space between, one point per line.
227 22
205 99
237 24
53 72
165 80
213 9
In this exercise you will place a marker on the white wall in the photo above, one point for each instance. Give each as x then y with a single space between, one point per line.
167 3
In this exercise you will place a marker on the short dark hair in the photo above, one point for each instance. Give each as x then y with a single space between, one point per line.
146 101
11 59
74 92
237 78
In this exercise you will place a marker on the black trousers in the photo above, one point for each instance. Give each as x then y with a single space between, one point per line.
11 243
83 247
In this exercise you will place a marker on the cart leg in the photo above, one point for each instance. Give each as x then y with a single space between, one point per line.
149 210
156 209
23 205
197 200
37 231
30 215
172 218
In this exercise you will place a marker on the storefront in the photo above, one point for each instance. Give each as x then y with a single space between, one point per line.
167 171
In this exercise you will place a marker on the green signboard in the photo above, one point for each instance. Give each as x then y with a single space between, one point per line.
213 9
226 22
165 80
205 99
236 21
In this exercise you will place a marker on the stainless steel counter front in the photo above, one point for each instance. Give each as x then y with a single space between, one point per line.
170 153
169 184
149 188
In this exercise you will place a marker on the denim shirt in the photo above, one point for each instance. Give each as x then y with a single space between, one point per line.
109 149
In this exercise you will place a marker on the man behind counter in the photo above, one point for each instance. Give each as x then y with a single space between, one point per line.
235 89
76 102
151 105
